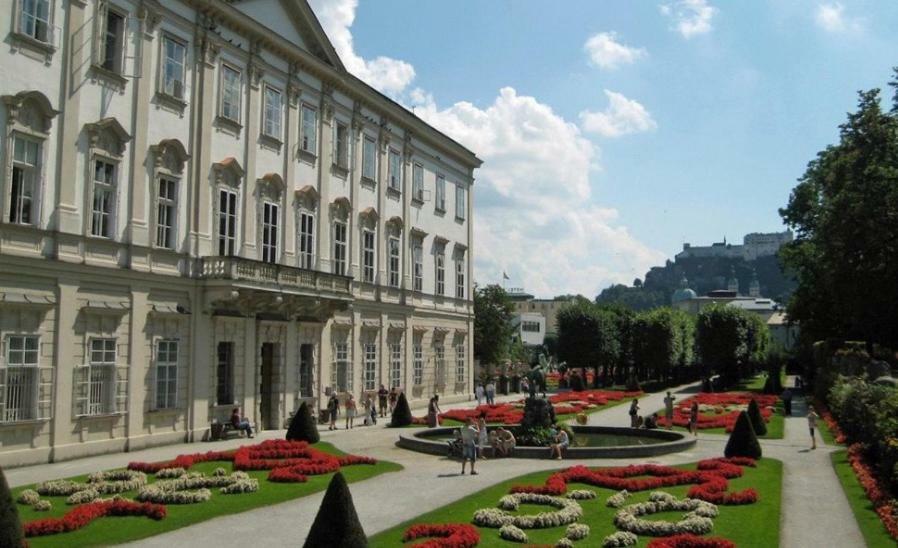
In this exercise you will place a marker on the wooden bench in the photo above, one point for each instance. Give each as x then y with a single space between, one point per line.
225 431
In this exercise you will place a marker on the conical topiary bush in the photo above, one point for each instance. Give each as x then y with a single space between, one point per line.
757 421
303 427
11 533
337 523
402 415
743 442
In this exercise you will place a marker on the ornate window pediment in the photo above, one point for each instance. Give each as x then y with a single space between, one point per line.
307 198
271 186
228 172
31 110
170 155
368 217
341 207
107 135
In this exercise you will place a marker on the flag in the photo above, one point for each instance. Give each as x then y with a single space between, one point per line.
505 276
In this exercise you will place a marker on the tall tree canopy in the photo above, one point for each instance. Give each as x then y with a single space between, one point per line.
844 212
493 312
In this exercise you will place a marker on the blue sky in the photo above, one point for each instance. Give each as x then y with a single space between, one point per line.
613 131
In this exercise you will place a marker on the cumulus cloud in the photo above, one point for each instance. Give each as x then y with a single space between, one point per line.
607 53
689 17
832 18
621 117
391 76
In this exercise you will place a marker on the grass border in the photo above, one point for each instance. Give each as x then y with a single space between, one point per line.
874 532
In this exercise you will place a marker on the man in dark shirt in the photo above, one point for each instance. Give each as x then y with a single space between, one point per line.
382 400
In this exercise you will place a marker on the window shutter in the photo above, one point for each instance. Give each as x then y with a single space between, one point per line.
121 390
82 375
45 393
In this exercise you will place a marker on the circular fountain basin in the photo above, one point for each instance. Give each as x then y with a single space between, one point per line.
590 442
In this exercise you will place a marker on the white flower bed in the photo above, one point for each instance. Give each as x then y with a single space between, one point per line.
568 511
60 488
28 496
618 499
696 521
241 486
88 495
620 539
564 543
152 493
220 472
42 506
168 473
116 481
581 494
512 533
577 531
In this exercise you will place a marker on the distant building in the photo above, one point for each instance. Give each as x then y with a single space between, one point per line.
525 302
686 299
530 328
754 245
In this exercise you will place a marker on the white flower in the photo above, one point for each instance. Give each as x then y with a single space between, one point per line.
166 473
512 533
697 519
60 488
619 540
241 486
28 496
581 494
568 511
88 495
618 499
42 506
564 543
577 531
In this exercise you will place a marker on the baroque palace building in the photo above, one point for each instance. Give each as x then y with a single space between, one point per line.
202 209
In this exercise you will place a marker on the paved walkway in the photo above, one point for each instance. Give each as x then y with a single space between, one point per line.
815 512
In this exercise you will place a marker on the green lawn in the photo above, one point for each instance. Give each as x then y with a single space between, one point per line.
754 525
825 433
114 530
875 534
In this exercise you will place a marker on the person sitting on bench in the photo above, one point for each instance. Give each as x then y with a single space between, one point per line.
240 423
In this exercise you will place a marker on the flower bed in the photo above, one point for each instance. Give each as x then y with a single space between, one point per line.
690 541
445 535
875 490
831 423
697 520
720 409
567 511
82 515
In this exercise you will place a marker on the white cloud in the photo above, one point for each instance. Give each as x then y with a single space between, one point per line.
621 117
832 18
607 53
690 17
391 76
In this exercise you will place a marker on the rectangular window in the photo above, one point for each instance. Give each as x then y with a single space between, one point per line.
460 364
113 42
369 159
368 256
306 365
440 273
460 277
25 176
395 167
341 145
441 193
370 366
340 248
224 374
394 262
227 223
439 365
530 327
395 364
418 182
230 93
20 376
173 74
306 240
418 268
271 123
103 199
342 371
101 377
459 202
166 213
35 19
308 140
167 374
418 364
270 214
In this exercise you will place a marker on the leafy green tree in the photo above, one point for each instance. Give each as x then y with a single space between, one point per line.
844 212
10 526
587 336
722 339
302 426
493 312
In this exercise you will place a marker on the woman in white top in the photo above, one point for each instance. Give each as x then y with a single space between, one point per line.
812 424
482 438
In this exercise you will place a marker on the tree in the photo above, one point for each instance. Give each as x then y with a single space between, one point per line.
743 442
402 415
587 336
493 312
303 427
722 339
11 533
844 212
337 523
757 421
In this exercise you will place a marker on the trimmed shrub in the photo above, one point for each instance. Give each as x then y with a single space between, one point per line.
402 415
303 427
743 441
757 421
11 533
576 382
337 523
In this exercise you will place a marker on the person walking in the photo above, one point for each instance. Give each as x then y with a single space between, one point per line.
812 425
482 437
490 393
693 418
350 411
469 435
634 413
478 394
787 401
669 409
333 407
433 411
382 400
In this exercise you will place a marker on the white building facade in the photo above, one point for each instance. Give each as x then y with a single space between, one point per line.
202 209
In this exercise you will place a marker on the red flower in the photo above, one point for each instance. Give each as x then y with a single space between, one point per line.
690 541
447 535
82 515
720 418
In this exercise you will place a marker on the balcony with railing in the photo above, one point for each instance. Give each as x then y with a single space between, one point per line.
277 277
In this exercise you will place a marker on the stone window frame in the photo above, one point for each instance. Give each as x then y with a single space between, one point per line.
161 93
227 175
107 140
460 272
369 164
236 122
277 136
34 370
339 216
169 159
439 202
310 149
306 204
173 400
23 39
270 191
116 75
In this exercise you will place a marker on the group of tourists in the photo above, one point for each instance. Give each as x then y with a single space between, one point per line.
384 405
474 437
487 393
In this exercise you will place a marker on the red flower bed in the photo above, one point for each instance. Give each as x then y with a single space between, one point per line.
691 541
710 480
443 535
720 418
82 515
830 423
876 492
